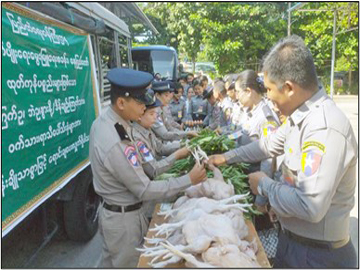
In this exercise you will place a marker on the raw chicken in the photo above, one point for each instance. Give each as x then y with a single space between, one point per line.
214 188
228 256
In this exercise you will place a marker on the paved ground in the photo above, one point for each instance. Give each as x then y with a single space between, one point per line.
62 253
350 106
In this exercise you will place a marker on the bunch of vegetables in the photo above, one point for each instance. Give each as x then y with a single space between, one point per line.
211 143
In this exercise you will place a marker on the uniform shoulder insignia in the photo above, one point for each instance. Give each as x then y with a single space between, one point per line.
267 111
131 155
312 152
313 145
121 131
144 151
269 128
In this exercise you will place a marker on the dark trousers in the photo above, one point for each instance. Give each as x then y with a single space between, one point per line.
292 254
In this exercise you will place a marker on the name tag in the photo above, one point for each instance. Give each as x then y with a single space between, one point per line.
200 110
179 114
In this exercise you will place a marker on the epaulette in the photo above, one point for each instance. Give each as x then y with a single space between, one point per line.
122 132
267 112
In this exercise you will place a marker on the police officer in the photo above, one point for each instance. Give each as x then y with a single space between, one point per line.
151 150
214 117
177 106
314 198
199 107
118 176
162 127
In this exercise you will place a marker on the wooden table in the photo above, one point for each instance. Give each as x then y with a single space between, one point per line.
156 219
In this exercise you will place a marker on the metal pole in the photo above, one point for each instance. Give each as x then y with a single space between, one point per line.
333 57
289 19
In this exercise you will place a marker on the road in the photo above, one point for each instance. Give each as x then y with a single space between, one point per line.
63 253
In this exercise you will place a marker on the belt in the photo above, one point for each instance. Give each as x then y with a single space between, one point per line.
317 243
123 209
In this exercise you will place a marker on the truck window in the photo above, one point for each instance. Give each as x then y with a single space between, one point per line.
124 51
108 61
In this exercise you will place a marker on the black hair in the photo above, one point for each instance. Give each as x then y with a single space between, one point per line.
115 93
249 78
291 60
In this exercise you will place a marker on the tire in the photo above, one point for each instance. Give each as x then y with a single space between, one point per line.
80 214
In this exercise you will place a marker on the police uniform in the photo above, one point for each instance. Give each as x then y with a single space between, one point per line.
169 120
212 120
177 108
199 108
258 123
162 125
119 178
316 193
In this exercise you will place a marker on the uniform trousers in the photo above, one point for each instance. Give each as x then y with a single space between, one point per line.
292 254
121 233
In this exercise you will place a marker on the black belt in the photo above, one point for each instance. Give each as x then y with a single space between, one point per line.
123 209
316 243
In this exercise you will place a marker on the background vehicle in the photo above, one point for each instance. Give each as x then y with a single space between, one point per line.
63 196
156 59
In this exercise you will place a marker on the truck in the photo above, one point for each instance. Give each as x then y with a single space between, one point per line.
55 56
156 59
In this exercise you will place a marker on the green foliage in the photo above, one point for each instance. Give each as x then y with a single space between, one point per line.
236 35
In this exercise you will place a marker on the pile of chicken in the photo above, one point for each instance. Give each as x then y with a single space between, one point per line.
205 227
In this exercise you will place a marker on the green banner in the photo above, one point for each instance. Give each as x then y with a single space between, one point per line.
48 105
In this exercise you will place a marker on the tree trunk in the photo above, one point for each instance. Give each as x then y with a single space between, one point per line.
193 59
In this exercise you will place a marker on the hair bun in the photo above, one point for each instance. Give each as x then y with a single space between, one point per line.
260 82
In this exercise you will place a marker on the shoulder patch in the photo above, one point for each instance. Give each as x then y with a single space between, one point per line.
310 162
121 131
269 128
144 151
131 155
313 145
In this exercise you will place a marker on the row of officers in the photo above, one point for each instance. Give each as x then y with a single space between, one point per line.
310 189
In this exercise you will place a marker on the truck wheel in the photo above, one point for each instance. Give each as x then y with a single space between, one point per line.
80 214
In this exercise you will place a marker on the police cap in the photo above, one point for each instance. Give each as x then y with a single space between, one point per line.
130 83
154 101
163 86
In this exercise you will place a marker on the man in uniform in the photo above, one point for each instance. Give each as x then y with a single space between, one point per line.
314 198
118 175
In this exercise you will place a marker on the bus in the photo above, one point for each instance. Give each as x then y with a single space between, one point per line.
156 59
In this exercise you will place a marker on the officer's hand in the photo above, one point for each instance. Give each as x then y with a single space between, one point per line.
272 215
182 153
182 126
218 130
261 208
216 160
198 173
254 179
192 134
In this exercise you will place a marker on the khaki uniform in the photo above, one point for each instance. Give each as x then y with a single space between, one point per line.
199 108
178 110
149 147
169 121
215 117
162 132
120 180
316 192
